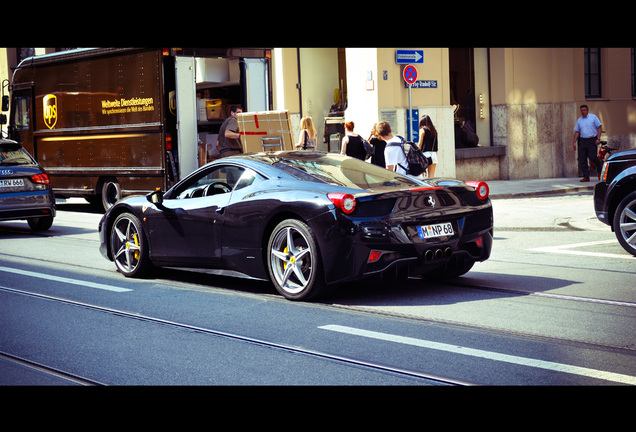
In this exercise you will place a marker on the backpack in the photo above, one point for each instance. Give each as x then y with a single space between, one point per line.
368 148
414 156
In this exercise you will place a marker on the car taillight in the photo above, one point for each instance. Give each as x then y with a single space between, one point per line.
481 188
604 172
374 255
345 202
41 178
168 142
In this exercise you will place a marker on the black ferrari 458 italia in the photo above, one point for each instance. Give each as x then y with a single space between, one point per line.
306 221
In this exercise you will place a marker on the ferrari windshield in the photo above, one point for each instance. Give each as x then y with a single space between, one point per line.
340 170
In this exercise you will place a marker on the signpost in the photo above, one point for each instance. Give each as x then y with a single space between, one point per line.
409 56
410 76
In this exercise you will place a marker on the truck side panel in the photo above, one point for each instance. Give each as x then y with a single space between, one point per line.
100 120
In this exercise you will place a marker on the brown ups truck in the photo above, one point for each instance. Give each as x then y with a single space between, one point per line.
111 122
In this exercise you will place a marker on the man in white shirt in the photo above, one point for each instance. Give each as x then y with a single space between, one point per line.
587 132
394 156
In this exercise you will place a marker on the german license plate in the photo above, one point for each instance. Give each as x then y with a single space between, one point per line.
11 182
436 230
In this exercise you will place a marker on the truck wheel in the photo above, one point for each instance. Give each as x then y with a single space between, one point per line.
111 193
625 223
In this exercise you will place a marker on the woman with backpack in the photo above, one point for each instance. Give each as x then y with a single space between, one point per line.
428 143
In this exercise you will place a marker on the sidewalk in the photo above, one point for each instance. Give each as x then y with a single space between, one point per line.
537 187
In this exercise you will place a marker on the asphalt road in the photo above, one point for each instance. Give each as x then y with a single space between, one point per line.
555 305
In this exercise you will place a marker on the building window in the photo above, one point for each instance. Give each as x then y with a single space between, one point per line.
462 96
592 72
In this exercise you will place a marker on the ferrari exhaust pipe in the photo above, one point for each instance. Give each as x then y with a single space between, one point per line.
431 254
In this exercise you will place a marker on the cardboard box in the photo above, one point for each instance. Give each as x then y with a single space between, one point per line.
265 131
201 115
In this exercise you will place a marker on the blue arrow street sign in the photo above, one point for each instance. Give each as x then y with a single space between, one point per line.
409 56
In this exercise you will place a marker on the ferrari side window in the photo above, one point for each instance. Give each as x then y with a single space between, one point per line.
218 180
248 178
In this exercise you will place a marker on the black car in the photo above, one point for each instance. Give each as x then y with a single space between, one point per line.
615 198
307 221
25 191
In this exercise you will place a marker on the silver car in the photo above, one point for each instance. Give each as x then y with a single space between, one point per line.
25 190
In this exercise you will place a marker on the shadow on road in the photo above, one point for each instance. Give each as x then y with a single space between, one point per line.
474 286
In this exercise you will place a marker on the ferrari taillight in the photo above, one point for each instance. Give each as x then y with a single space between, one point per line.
481 188
344 202
374 255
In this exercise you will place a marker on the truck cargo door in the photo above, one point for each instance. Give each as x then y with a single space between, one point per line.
21 123
186 115
256 84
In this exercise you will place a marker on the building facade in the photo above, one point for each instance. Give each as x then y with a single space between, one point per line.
501 113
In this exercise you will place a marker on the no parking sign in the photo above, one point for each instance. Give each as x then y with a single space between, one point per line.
410 74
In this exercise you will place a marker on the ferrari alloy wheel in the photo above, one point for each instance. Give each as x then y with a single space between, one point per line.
128 246
294 261
625 223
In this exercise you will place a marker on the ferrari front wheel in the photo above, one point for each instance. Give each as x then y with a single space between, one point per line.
129 246
293 261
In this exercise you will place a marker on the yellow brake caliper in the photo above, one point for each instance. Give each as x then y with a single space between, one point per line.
136 238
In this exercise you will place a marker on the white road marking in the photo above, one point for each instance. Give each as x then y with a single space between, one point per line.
552 366
65 280
566 249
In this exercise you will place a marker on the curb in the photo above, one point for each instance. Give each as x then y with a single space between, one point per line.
542 192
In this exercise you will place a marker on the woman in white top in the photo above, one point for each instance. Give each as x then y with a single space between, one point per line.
308 137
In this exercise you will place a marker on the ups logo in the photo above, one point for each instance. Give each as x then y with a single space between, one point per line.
172 102
50 110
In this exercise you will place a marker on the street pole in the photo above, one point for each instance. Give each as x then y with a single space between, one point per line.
410 120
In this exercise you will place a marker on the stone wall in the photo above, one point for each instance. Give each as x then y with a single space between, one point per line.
538 140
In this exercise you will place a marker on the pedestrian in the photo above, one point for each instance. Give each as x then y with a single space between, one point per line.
394 156
587 132
378 147
352 143
308 136
229 143
428 143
